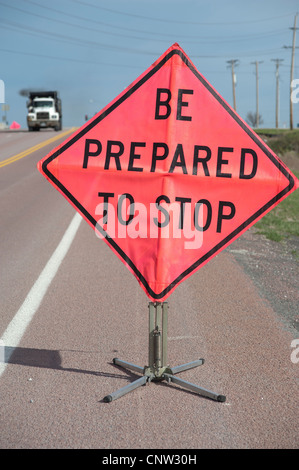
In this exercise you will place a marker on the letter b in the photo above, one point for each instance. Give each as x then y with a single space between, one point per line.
163 103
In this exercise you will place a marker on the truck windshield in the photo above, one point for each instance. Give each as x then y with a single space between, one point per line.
42 104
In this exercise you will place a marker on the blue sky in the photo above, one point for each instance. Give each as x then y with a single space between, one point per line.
90 50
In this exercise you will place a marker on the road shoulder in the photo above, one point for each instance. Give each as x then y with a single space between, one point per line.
274 269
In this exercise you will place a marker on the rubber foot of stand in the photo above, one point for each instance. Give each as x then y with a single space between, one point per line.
221 398
107 399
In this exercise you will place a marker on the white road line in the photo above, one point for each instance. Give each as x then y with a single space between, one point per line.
18 325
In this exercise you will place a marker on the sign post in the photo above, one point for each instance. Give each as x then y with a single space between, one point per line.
168 175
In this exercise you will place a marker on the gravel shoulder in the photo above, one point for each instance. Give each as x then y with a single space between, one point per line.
273 266
274 269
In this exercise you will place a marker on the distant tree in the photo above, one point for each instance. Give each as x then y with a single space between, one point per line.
251 119
25 91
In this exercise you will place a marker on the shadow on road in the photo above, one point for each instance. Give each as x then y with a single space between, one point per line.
49 359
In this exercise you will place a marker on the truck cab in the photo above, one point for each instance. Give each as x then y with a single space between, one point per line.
44 111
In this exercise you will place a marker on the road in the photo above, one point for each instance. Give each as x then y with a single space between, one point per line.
69 306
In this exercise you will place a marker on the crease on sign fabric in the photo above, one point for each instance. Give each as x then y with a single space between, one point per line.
168 174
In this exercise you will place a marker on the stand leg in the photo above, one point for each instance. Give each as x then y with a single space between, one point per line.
124 390
194 388
189 365
128 365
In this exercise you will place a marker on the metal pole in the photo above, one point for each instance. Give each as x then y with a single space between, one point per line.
151 347
164 333
157 336
277 95
234 88
232 64
292 70
257 93
277 61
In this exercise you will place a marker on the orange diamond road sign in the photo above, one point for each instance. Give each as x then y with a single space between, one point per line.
168 174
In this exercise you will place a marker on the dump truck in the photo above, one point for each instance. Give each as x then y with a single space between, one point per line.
44 110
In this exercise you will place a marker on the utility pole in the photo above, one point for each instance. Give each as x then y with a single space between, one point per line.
292 68
257 90
232 64
5 108
277 61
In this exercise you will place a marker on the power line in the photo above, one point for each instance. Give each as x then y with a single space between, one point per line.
154 35
44 56
87 43
56 20
89 20
167 20
109 46
30 30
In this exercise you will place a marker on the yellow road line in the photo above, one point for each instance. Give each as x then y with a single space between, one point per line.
23 154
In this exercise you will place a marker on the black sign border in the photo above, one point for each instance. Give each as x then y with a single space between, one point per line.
108 111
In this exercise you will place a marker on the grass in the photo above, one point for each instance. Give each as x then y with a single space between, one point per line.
281 140
283 221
